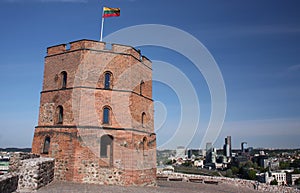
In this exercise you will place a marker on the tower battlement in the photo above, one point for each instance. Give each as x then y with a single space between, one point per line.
97 46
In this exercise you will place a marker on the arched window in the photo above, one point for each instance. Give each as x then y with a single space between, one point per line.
60 114
143 119
46 145
142 85
63 79
106 148
107 80
106 115
144 145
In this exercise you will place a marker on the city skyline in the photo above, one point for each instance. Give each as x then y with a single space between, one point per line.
255 45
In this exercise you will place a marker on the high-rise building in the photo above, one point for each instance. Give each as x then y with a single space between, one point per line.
209 146
243 147
227 147
96 114
209 152
180 152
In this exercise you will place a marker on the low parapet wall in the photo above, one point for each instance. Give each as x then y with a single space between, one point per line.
35 173
260 187
16 158
29 173
8 182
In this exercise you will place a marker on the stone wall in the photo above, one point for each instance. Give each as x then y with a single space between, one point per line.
35 173
238 182
27 172
103 175
16 158
8 182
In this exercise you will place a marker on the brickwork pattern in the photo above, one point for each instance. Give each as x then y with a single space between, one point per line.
76 142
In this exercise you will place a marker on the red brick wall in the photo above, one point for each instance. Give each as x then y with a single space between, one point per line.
76 142
77 153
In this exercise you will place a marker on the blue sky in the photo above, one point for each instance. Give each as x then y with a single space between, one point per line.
256 45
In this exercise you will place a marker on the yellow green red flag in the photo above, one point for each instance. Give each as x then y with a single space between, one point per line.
110 12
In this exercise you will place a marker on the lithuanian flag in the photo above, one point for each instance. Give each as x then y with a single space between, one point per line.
111 12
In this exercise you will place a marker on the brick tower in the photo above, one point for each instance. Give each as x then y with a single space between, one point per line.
96 114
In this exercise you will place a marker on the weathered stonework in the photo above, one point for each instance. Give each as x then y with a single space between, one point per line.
8 182
71 125
35 173
16 159
27 173
47 111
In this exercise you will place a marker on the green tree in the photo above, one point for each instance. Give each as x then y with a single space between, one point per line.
274 182
255 165
229 173
296 171
249 164
262 170
273 154
295 163
235 170
187 164
169 162
284 165
251 174
297 181
243 171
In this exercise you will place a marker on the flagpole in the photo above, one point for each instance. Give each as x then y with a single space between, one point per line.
102 24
